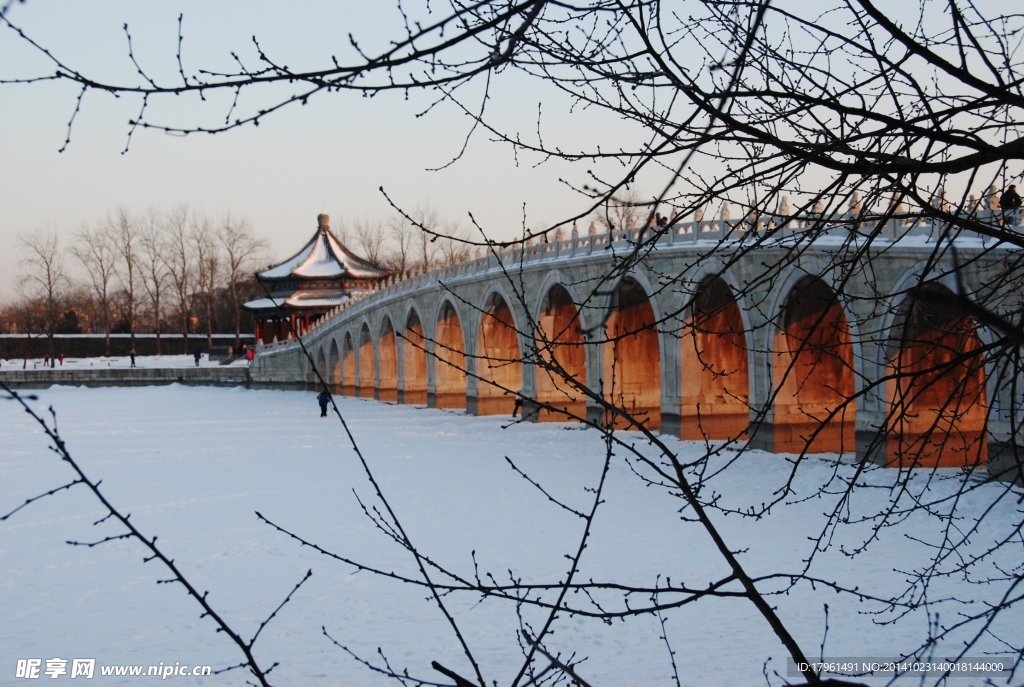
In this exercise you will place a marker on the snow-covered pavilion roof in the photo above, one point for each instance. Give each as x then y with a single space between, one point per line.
316 299
324 257
263 304
306 298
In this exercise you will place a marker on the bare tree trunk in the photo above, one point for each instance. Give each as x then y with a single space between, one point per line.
403 235
207 268
124 231
452 245
153 269
180 264
45 277
371 239
241 251
95 250
427 219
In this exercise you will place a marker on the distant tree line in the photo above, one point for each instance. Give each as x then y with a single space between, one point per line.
180 272
176 272
407 242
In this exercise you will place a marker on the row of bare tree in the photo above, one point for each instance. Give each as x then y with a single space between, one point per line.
400 243
182 272
160 272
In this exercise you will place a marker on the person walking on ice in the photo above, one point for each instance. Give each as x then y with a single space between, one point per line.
323 399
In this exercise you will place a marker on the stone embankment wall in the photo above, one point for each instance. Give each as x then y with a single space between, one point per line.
17 346
40 379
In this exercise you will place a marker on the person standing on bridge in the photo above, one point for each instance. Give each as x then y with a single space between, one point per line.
1009 203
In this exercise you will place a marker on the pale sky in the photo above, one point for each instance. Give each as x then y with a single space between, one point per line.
329 156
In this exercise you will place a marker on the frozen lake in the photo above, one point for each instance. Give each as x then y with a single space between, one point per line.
193 465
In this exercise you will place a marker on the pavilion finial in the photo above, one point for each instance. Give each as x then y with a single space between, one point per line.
323 222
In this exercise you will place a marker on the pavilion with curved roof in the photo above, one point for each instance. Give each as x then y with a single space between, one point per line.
321 276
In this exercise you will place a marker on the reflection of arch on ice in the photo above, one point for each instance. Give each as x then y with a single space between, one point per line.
713 360
936 385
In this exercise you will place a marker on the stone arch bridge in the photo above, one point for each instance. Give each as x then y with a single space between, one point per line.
821 342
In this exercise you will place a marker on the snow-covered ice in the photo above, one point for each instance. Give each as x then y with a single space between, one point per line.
193 465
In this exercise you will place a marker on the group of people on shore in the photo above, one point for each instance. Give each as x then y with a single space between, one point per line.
47 360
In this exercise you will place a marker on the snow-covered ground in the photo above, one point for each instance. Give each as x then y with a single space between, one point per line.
193 465
118 362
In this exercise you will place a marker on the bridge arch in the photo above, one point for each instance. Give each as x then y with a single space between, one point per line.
333 376
554 277
348 366
321 366
813 371
365 362
414 358
449 357
499 356
714 364
561 352
387 361
937 405
908 282
819 268
632 356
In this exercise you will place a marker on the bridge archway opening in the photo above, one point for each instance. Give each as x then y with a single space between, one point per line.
449 360
814 409
561 355
365 362
713 360
499 360
414 362
334 368
632 357
936 384
348 367
321 367
387 355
